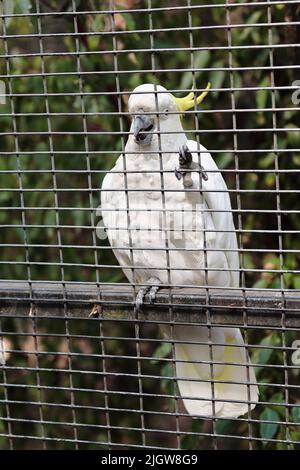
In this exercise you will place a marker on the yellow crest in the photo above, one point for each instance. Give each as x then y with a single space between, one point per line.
188 101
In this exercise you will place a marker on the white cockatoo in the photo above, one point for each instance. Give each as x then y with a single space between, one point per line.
167 213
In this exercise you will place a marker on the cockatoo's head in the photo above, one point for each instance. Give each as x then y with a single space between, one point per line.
150 105
154 109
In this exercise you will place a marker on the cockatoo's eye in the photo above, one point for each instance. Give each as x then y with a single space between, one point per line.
166 113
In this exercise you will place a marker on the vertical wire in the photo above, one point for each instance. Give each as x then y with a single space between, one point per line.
92 217
207 296
5 392
57 217
38 381
105 385
134 279
279 220
239 217
21 193
163 199
86 146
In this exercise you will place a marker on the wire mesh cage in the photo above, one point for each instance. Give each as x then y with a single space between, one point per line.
81 366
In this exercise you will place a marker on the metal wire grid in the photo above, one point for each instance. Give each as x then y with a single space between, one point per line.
103 382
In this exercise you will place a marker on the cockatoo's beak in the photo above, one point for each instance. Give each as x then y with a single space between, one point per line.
142 126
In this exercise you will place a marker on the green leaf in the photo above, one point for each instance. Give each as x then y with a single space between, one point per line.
267 161
224 160
279 398
217 77
22 6
265 354
293 135
163 350
130 23
262 95
296 415
8 9
224 426
268 430
296 282
260 284
201 61
2 429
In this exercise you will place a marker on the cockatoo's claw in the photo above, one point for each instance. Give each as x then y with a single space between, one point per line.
151 288
178 174
187 166
152 294
203 173
139 300
185 157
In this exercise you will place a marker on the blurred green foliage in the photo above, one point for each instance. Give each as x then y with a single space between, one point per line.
54 152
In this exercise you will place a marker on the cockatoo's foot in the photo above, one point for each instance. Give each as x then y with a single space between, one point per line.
139 300
185 157
152 289
185 164
152 293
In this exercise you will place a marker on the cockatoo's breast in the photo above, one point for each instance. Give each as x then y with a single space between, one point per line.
162 222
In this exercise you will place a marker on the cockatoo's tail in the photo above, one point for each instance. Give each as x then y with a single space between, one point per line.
189 101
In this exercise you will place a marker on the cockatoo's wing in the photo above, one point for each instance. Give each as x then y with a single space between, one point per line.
230 393
217 199
113 210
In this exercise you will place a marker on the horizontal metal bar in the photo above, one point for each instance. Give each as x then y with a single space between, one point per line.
129 411
90 227
141 340
217 27
120 394
138 267
261 327
149 10
129 339
141 248
146 152
159 378
92 285
154 190
156 132
262 308
126 428
146 50
117 93
153 211
140 446
147 71
158 113
129 394
144 359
